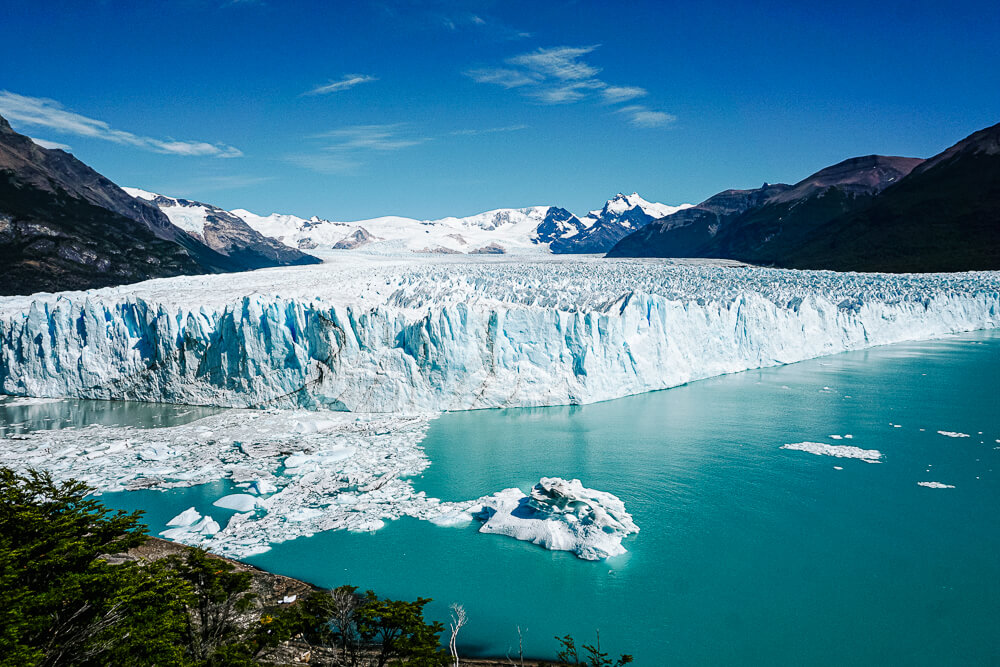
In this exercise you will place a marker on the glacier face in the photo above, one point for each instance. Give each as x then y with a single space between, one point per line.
410 335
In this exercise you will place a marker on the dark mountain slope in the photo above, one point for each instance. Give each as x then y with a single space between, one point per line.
944 216
692 231
65 226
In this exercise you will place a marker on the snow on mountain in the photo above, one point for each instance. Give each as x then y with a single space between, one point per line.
223 232
622 202
382 334
510 230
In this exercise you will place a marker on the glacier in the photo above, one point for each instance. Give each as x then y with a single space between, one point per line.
407 336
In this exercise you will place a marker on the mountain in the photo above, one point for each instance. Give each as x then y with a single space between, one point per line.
65 226
766 225
224 232
508 230
600 230
687 233
944 216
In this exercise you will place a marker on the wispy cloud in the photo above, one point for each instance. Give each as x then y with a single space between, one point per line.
41 112
346 148
347 81
561 75
640 116
488 130
562 62
615 94
508 78
45 143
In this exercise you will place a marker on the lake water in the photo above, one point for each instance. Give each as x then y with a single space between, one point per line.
748 553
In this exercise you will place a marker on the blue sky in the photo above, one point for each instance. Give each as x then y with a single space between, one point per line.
439 107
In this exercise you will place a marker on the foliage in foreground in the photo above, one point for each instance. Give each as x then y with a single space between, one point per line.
64 604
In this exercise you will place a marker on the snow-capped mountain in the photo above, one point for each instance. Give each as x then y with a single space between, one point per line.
508 230
223 232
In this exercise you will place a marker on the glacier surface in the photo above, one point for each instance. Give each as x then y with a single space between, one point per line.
409 336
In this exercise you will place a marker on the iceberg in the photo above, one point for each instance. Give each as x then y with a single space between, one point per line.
561 515
369 334
239 502
185 518
838 451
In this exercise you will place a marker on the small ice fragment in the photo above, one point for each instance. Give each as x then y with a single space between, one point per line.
185 518
955 434
241 502
837 437
838 468
935 485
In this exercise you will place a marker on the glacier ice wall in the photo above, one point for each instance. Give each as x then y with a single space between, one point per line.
410 336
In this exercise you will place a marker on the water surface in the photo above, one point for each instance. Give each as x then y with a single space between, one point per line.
748 554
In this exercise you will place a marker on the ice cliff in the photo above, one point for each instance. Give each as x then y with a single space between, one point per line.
409 336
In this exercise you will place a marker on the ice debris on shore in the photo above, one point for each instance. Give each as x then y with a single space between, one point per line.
839 451
400 335
348 472
561 515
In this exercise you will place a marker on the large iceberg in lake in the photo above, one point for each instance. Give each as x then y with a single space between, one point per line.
398 335
561 515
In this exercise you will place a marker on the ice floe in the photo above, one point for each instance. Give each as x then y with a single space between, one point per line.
351 473
561 515
954 434
935 485
839 451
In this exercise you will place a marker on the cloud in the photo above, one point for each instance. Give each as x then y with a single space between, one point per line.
560 75
370 137
488 130
508 78
615 94
41 112
640 116
45 143
347 147
347 81
562 62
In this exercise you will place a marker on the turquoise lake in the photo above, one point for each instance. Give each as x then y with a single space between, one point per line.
748 554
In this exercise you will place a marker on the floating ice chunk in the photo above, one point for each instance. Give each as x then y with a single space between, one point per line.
157 453
561 515
185 518
935 485
263 487
29 400
449 519
840 451
303 514
175 533
367 526
837 437
241 502
954 434
207 526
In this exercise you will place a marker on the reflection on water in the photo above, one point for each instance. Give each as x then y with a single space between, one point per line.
19 415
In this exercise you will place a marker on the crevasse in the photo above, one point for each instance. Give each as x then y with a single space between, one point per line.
461 335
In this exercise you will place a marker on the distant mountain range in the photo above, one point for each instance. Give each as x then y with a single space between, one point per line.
507 230
65 226
872 213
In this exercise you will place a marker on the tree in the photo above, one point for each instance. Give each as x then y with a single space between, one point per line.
568 654
458 620
63 603
398 633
